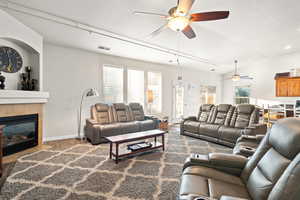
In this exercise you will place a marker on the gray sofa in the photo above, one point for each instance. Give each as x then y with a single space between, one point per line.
272 173
116 119
223 123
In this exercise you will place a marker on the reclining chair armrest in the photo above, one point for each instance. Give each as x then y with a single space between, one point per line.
250 138
256 129
231 198
229 163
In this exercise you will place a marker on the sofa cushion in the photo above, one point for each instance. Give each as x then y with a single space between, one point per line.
102 117
208 182
147 125
229 134
288 144
129 127
121 112
100 107
204 112
110 129
137 111
209 129
220 114
191 126
243 115
101 113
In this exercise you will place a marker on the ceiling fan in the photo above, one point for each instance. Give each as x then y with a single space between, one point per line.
179 18
236 76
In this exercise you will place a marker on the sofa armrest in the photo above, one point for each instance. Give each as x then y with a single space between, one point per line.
231 198
256 129
191 118
91 122
150 117
229 163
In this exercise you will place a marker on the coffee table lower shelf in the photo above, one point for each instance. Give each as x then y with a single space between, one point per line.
125 152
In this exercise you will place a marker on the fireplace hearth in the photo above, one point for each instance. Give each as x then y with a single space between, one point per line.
20 133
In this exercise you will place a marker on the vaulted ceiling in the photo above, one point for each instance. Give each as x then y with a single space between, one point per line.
255 29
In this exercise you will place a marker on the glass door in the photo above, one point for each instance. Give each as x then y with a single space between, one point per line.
178 107
185 100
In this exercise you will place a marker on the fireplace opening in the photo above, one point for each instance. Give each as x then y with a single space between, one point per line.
20 133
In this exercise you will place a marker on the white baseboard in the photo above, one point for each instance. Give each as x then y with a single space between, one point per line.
62 137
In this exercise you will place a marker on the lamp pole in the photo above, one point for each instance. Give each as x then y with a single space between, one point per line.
91 92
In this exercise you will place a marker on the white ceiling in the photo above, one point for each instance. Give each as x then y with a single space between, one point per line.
255 29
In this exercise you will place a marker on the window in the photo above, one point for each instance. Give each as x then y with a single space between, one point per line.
208 94
135 86
242 94
154 92
113 84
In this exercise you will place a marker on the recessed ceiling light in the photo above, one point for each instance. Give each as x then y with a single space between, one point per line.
298 29
104 48
287 47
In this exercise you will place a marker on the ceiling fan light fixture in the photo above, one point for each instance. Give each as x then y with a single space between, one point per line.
178 23
235 77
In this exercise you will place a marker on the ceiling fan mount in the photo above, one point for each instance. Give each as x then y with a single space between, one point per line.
172 11
179 18
236 76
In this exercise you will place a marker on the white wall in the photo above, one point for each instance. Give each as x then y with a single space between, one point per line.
68 72
263 72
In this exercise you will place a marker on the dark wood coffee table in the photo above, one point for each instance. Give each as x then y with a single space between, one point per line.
131 137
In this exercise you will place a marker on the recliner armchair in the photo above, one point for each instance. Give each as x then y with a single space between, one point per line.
272 173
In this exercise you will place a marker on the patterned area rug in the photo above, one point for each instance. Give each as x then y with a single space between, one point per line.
83 171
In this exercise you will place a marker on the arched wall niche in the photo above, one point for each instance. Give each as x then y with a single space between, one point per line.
31 57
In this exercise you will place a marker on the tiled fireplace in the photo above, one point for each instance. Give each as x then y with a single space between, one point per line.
20 132
22 113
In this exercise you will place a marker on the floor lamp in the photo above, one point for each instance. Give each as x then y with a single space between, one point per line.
91 92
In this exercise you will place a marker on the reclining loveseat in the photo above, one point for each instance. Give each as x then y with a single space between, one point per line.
272 173
223 123
116 119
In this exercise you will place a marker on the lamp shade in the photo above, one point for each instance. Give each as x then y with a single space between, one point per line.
150 96
91 92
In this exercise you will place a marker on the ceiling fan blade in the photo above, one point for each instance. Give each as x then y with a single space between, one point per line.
188 32
149 13
207 16
184 7
158 31
246 77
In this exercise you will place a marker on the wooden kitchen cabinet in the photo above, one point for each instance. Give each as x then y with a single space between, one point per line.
288 87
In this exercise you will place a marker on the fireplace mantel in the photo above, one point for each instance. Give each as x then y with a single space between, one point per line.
23 97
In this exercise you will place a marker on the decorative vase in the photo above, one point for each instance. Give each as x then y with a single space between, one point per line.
2 80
